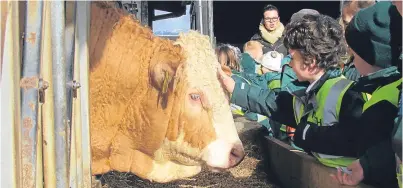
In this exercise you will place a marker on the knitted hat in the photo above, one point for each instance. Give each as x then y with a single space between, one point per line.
272 60
375 34
298 15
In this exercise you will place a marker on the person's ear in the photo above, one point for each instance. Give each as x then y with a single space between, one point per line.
313 67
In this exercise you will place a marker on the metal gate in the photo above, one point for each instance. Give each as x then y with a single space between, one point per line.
45 134
202 18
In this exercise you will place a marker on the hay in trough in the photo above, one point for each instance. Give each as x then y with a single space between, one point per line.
252 172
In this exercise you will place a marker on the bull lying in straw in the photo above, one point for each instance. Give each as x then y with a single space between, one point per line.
157 107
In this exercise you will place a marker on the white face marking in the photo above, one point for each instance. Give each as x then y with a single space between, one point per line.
201 74
169 171
216 154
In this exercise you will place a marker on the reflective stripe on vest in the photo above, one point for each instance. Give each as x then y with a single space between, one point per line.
236 110
283 128
260 118
326 103
388 92
274 84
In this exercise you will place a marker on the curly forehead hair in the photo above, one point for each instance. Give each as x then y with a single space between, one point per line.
317 37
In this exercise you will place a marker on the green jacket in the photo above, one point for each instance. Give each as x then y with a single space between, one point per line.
351 72
269 80
279 106
261 80
248 64
288 79
285 81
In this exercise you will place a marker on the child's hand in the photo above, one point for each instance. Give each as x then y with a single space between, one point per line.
227 82
355 176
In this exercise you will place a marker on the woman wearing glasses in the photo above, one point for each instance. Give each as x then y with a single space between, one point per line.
270 33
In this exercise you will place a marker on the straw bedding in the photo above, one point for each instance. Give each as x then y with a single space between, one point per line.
250 173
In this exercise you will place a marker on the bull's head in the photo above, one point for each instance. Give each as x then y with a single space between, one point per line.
202 128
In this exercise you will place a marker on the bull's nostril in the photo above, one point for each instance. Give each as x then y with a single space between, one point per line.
237 154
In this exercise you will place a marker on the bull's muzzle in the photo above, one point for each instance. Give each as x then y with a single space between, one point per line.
237 154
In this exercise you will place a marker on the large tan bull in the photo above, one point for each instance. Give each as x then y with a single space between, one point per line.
157 108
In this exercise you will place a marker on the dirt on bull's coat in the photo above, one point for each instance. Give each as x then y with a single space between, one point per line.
252 172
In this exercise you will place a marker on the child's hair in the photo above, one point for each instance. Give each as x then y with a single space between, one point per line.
318 37
232 56
252 45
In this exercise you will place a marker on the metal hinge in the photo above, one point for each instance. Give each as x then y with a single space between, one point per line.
43 85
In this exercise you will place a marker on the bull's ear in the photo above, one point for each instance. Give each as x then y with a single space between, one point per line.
164 66
162 76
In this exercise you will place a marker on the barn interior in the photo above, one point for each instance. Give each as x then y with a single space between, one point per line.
235 22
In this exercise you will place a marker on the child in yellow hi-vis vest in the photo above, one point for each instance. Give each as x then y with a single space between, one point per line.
375 38
316 44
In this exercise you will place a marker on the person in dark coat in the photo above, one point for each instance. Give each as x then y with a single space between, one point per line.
271 30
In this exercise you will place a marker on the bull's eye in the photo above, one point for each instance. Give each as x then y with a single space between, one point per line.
195 97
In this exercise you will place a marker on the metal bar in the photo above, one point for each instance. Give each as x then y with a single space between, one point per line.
76 119
10 97
29 90
3 20
74 171
39 149
144 13
210 22
60 92
166 16
49 148
69 50
199 16
83 28
192 11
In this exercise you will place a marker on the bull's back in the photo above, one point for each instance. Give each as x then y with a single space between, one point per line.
119 57
121 54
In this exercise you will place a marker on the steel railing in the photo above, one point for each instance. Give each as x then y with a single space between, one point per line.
45 134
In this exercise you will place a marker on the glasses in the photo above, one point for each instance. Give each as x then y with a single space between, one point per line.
270 19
